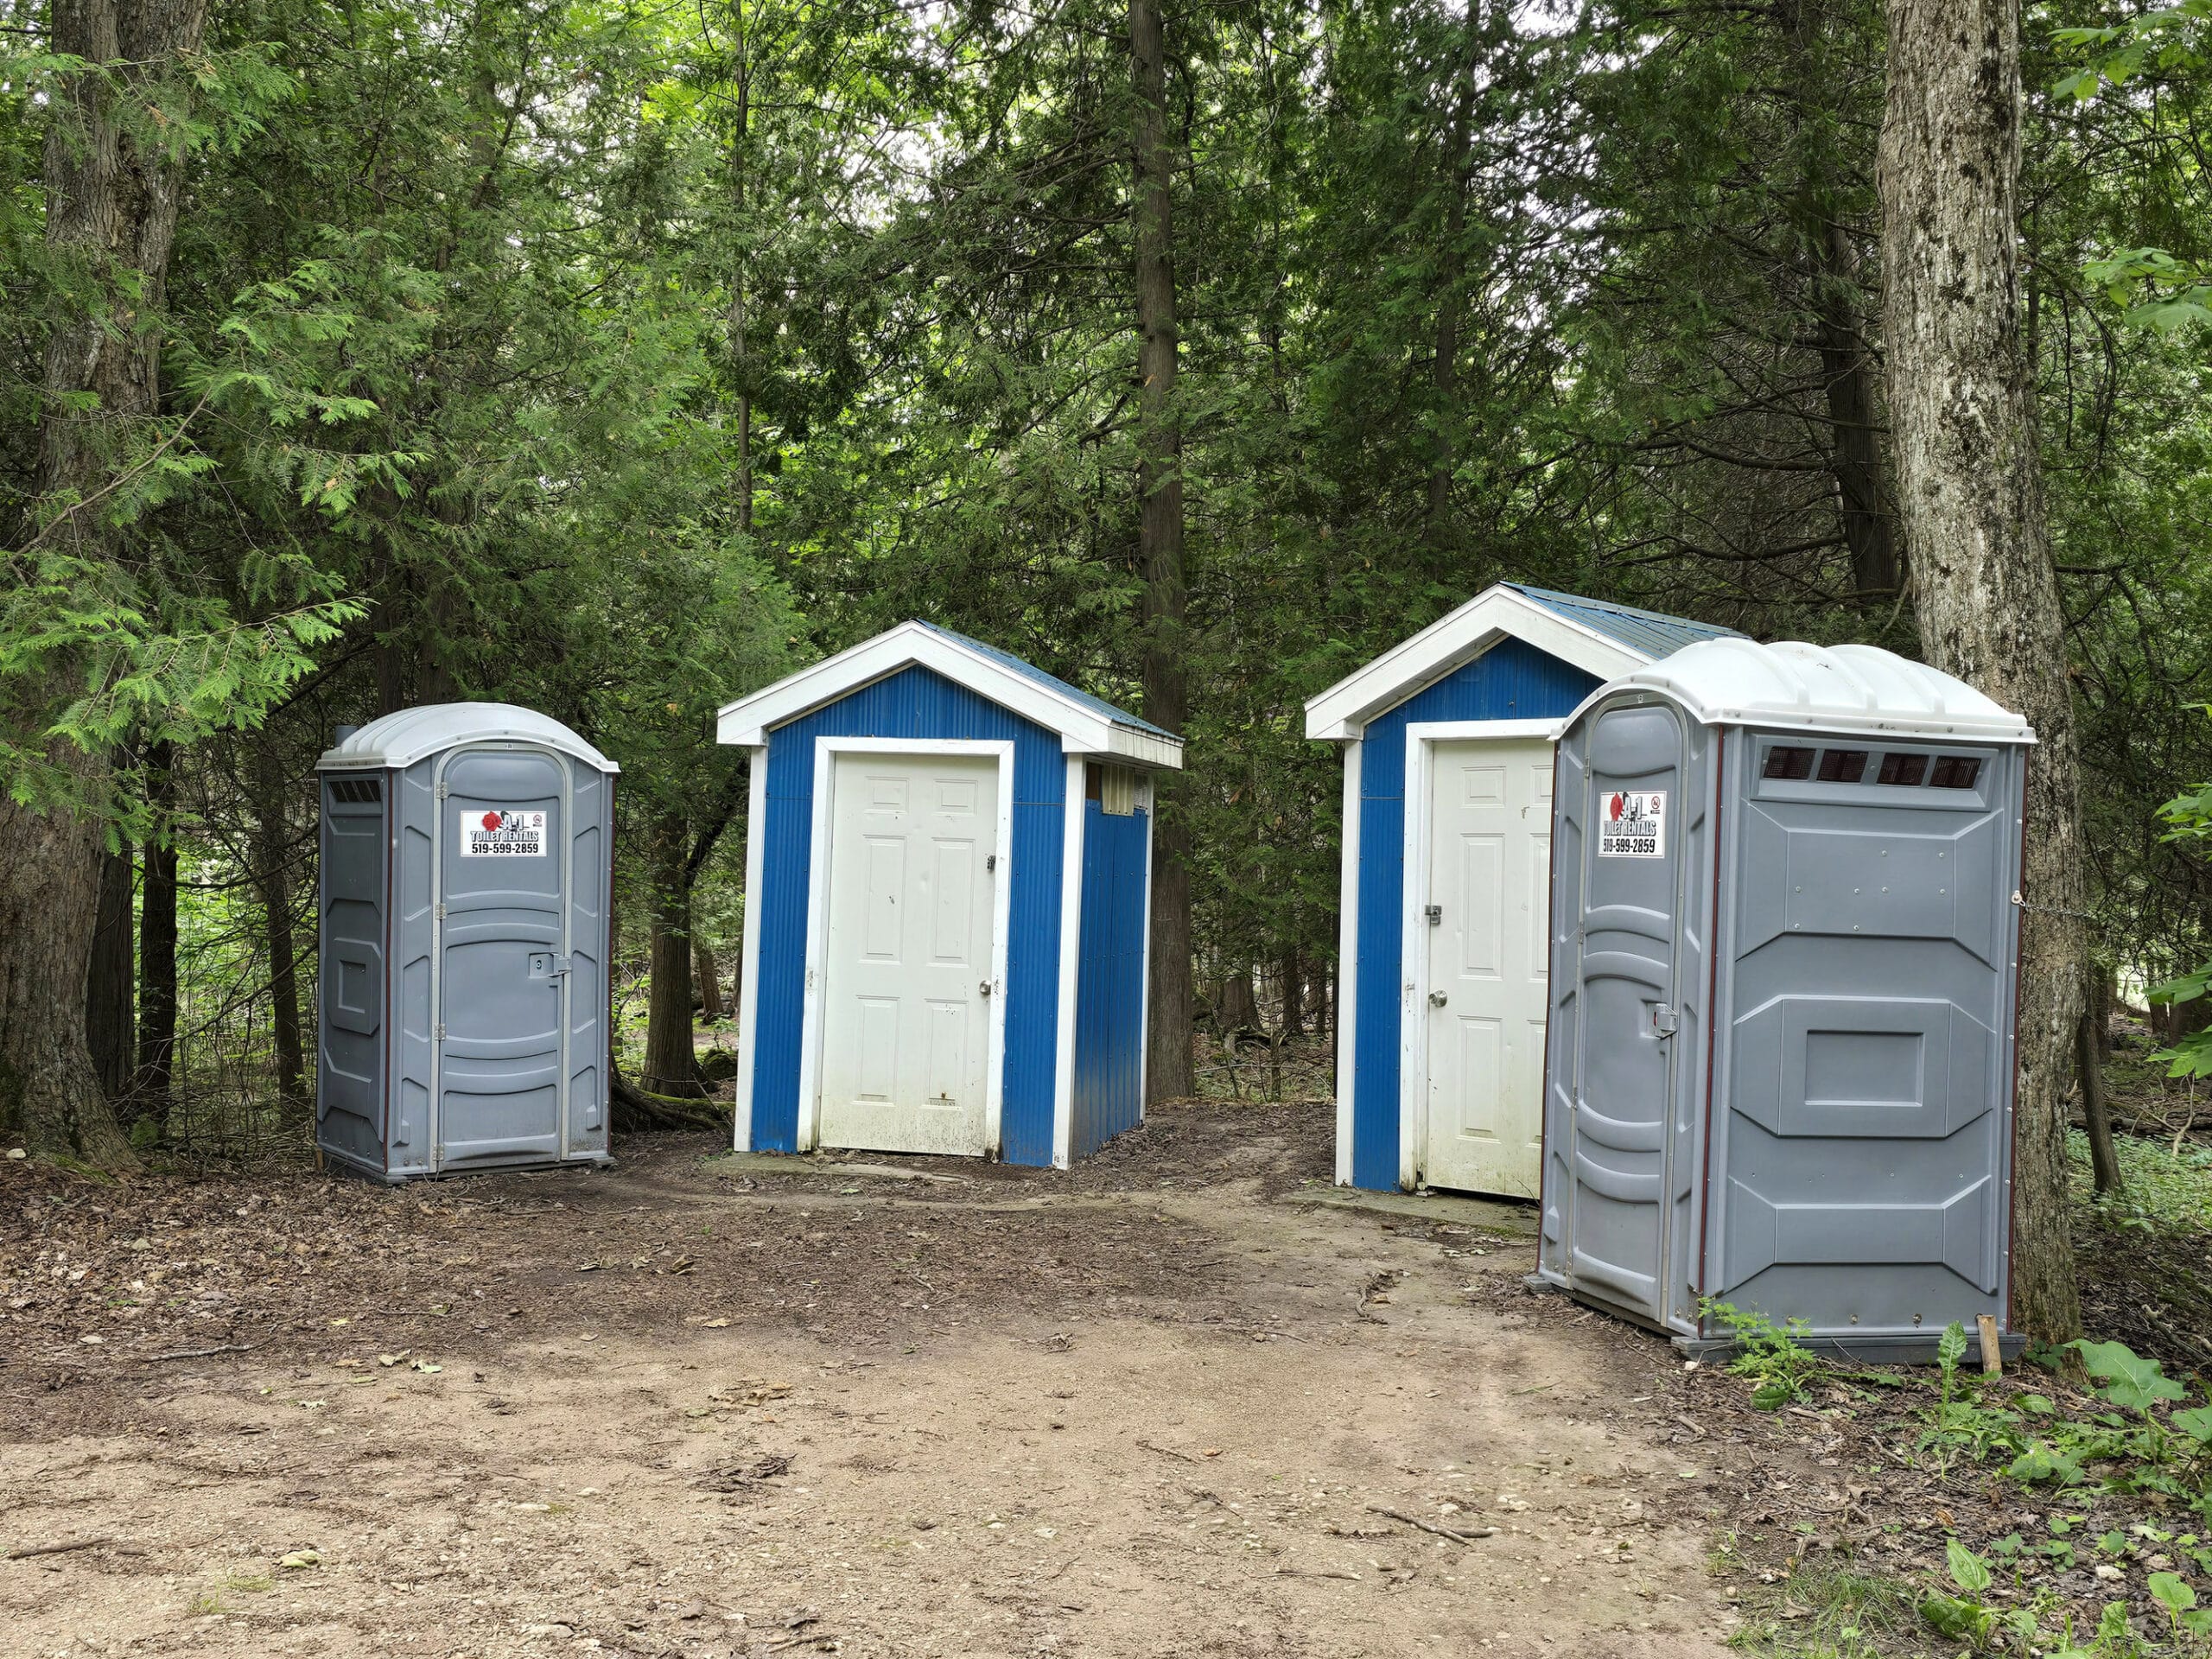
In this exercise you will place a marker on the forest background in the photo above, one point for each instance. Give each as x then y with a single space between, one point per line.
616 359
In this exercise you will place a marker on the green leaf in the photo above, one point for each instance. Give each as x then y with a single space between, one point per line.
1962 1621
1968 1571
2172 1592
1951 1347
2126 1377
2196 1422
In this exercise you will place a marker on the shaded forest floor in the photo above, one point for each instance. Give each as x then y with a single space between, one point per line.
716 1405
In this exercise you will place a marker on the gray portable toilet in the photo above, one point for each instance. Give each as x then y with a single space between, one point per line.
467 853
1812 1121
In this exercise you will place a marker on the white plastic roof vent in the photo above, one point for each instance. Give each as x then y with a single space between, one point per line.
403 738
1792 686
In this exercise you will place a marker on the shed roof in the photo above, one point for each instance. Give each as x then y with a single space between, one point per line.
1653 633
1797 687
404 737
1087 724
1602 639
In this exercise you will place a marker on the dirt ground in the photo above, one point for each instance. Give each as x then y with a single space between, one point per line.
1161 1405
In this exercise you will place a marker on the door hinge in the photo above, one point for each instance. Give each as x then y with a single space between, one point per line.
439 911
441 1031
991 862
441 791
1665 1021
1436 914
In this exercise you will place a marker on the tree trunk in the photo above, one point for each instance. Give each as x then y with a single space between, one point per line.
2096 1107
111 205
1855 449
157 998
709 978
1847 368
1292 973
1445 372
108 1027
273 877
671 1062
1970 502
1169 1073
1240 1008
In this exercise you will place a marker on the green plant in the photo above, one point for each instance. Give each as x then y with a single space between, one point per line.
2172 1591
1773 1356
1963 1616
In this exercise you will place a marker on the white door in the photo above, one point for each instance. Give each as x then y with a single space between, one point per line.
905 1025
1487 916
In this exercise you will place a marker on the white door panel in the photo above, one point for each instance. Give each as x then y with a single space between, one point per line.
906 961
1487 878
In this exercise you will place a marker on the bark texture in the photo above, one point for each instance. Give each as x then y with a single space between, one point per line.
1969 486
111 205
671 1059
709 979
158 947
108 1032
1169 1073
273 859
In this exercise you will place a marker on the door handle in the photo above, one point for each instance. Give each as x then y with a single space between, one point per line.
985 987
1437 999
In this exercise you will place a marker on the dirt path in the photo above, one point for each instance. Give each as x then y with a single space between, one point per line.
1154 1407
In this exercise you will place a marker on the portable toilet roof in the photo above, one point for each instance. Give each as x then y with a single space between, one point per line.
923 778
1447 740
463 937
1784 958
405 736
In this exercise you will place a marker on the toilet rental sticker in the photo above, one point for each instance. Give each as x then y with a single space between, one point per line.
495 834
1634 824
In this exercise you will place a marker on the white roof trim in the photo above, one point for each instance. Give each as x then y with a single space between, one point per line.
1341 713
1083 729
1792 686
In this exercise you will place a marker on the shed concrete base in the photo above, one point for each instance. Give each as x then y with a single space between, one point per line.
815 1163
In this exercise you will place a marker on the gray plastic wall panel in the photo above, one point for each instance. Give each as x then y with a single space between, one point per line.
354 984
1860 1151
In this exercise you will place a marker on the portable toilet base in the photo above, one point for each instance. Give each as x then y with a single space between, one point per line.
1784 954
467 853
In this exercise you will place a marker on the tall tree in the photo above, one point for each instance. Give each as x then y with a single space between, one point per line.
1168 1073
114 183
1970 495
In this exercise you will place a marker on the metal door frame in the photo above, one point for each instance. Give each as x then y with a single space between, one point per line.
826 749
562 764
1421 738
1667 1137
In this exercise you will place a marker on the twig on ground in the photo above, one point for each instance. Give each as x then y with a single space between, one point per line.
29 1550
1430 1526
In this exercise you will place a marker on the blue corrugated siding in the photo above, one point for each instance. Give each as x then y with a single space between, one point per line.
1513 681
1109 980
915 703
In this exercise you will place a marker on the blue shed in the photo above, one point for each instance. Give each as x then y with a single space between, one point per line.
1442 956
948 878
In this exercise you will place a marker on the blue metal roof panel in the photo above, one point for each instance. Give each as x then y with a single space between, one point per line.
1652 633
1030 670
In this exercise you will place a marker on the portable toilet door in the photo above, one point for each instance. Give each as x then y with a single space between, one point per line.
501 964
1631 864
492 909
1443 959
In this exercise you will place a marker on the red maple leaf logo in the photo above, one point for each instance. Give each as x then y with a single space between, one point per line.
1615 807
491 821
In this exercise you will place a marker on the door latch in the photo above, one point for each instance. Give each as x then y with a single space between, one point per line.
1665 1021
1437 999
991 862
1436 914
